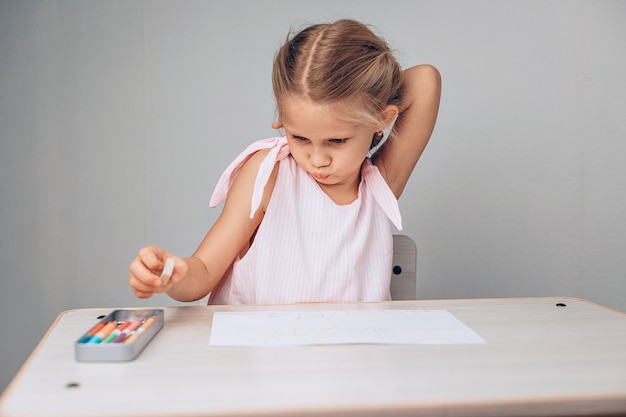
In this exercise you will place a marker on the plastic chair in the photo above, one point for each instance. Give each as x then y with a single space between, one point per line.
404 269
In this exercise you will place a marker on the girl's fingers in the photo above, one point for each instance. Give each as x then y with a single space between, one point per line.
142 289
142 294
153 258
143 273
148 268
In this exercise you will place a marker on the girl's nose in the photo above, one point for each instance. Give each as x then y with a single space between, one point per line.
319 158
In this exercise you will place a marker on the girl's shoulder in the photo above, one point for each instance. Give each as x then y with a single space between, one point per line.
250 171
252 166
256 158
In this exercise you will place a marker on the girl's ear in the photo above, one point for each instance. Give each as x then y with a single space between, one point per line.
388 114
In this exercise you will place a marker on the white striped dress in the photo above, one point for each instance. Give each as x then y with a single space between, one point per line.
308 248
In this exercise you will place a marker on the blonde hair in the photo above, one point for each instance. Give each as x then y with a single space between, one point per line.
341 62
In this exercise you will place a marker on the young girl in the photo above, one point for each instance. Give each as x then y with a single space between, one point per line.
307 215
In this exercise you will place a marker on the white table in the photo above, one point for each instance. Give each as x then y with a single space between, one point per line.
540 359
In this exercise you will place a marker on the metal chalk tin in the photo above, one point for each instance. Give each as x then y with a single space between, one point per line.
95 347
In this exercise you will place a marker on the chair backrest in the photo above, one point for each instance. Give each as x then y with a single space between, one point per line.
404 269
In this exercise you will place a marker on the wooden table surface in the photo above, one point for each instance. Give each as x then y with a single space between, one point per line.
544 356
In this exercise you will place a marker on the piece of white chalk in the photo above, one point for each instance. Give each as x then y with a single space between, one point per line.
168 269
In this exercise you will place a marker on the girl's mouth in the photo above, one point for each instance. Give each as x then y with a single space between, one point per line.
320 177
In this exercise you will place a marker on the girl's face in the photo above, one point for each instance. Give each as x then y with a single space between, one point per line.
330 149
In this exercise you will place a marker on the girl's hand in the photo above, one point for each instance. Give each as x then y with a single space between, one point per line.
146 269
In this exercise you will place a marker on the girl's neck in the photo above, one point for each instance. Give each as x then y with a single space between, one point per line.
342 194
340 197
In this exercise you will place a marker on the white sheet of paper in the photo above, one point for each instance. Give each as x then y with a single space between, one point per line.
293 328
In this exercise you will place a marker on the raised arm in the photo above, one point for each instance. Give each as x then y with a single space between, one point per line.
415 124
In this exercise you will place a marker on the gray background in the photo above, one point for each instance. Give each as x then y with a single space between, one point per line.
117 117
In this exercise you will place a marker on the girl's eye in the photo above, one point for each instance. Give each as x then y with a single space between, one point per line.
300 138
337 140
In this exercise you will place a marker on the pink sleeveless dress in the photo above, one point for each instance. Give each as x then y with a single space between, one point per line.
308 248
